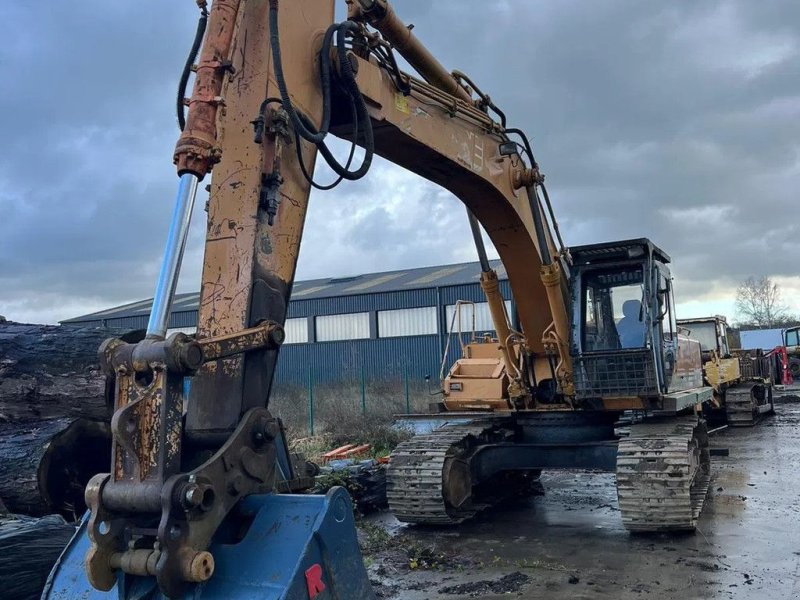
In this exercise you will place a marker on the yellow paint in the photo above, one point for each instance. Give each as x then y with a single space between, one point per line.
722 371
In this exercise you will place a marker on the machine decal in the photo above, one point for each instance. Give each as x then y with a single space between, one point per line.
314 581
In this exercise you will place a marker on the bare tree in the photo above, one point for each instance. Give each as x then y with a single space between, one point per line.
759 304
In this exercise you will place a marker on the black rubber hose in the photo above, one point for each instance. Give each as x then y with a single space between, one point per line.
350 87
187 68
499 113
520 133
363 120
312 134
339 179
302 125
535 165
391 65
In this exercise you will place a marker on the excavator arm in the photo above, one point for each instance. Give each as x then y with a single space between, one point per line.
436 130
272 80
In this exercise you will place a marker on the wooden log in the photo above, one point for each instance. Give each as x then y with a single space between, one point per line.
52 372
45 466
29 548
54 410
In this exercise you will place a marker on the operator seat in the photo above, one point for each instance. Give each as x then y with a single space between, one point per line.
631 328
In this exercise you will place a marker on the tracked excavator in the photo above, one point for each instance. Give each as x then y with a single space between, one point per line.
188 508
613 385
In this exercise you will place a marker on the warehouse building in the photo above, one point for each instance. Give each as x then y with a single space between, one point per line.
376 326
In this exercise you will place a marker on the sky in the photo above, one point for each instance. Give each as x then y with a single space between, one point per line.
678 121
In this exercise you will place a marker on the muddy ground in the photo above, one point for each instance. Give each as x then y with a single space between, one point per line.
570 543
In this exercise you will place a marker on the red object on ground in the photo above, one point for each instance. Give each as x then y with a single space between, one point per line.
346 451
337 452
355 451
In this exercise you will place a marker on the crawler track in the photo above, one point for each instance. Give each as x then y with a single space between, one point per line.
416 480
741 405
663 474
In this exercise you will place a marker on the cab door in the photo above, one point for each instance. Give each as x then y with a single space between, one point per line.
665 346
681 355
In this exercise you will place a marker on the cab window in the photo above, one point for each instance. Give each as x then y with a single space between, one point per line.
613 313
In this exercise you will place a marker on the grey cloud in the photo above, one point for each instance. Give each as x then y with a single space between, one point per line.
679 121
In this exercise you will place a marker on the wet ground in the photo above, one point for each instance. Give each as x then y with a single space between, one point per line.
570 543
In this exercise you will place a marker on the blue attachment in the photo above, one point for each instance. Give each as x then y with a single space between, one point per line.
287 537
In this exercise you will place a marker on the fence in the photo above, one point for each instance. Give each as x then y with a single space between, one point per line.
322 405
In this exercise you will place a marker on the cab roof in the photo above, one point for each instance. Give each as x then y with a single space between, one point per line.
615 251
712 319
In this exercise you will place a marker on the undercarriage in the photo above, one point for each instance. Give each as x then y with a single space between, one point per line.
747 403
449 475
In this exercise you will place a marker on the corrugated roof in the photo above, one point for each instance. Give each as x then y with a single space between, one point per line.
371 283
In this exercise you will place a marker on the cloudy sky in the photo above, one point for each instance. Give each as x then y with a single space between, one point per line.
676 120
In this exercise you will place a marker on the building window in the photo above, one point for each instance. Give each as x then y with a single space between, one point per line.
483 318
296 330
407 321
352 326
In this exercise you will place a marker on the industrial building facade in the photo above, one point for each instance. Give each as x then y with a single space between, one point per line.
376 326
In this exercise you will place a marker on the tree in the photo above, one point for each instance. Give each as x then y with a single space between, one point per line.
759 304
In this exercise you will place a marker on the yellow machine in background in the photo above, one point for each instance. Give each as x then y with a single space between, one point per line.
742 379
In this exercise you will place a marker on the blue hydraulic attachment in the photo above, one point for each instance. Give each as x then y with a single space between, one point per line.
271 547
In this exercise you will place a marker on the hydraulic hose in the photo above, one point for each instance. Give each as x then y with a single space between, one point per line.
308 133
363 120
303 126
350 156
187 68
526 143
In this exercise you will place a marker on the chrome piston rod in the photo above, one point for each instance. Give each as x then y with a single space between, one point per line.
173 255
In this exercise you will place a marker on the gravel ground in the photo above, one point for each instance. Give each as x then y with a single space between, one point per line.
570 543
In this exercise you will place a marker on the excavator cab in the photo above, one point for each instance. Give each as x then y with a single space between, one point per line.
625 339
712 333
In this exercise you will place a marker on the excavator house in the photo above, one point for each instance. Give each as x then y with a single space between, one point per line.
189 506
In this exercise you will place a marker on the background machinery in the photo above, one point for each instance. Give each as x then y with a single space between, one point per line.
186 509
742 379
766 339
791 341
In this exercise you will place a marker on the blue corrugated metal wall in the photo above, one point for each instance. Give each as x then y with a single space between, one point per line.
380 358
384 358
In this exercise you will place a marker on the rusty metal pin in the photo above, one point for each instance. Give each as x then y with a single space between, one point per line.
199 568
